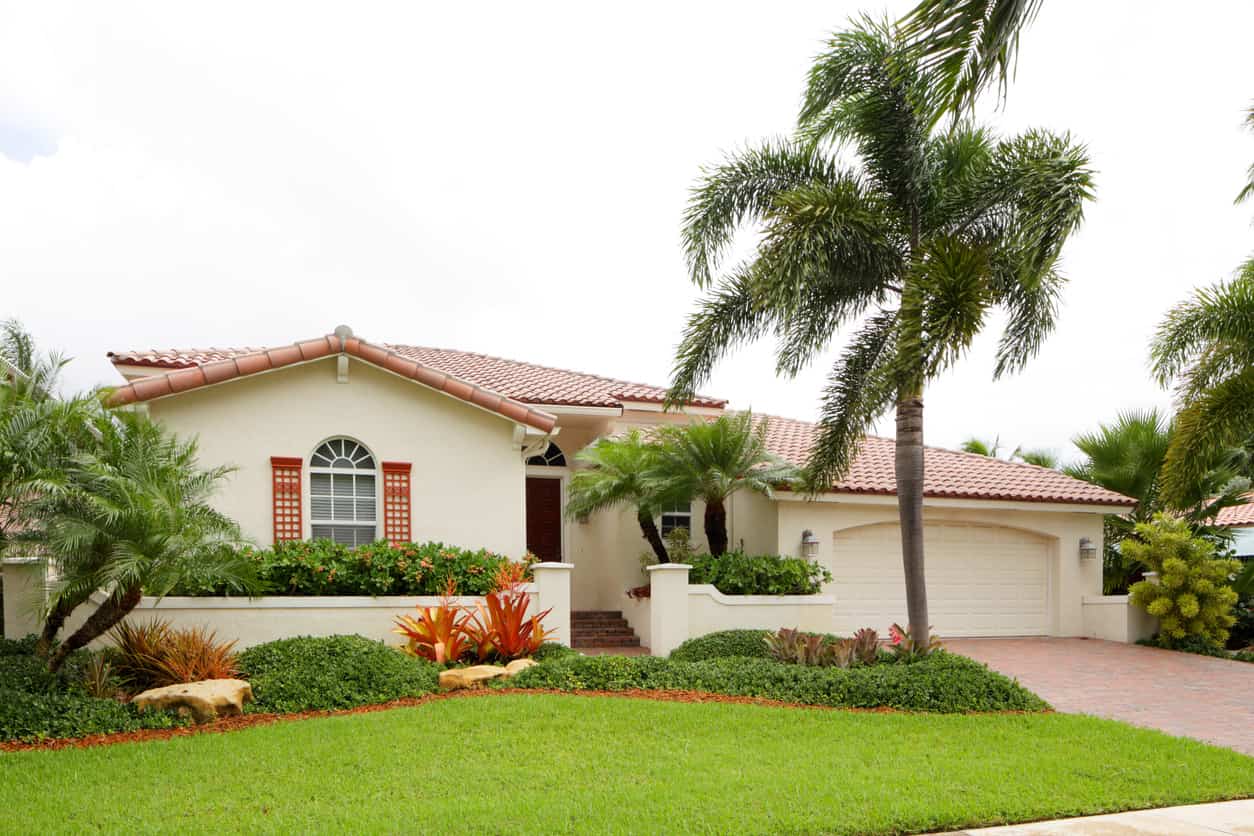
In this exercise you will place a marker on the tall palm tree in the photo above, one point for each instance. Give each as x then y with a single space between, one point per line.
1205 346
968 45
132 516
712 460
621 471
920 240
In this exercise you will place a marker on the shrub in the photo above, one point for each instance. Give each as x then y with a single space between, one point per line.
1191 596
323 567
99 679
723 644
737 573
902 644
19 647
153 654
307 673
551 651
30 717
942 682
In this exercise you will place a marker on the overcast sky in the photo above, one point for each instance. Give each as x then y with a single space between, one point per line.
509 178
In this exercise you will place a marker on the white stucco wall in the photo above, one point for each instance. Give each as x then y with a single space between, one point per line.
467 481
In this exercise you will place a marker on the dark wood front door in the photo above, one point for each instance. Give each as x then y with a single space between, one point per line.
544 518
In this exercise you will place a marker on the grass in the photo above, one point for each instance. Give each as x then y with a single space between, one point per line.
556 763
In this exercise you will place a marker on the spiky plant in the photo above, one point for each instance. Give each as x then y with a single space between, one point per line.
132 516
919 241
713 460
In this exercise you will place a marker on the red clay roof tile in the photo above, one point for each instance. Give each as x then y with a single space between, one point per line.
947 473
1237 516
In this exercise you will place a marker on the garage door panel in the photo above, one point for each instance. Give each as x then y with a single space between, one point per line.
982 580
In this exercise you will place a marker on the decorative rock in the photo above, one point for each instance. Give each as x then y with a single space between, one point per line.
204 701
519 665
455 679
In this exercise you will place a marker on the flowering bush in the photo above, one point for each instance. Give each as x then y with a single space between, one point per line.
737 573
1191 595
323 567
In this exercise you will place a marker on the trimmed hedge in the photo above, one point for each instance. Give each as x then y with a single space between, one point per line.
943 682
737 573
31 717
323 567
308 674
722 645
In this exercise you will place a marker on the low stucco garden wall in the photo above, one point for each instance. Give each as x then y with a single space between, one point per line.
1113 618
260 620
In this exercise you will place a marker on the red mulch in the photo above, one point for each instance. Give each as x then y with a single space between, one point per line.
229 724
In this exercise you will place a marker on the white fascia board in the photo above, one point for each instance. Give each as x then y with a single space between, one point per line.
563 409
951 502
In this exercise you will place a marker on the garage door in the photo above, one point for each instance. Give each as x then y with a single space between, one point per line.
981 580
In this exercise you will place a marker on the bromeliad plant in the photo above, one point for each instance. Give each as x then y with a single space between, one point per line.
502 629
441 634
906 648
820 650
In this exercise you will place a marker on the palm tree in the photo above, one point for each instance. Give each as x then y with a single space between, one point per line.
928 233
1127 457
967 45
132 516
712 460
1248 191
1206 347
1040 458
621 471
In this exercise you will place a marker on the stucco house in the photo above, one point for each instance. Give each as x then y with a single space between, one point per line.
1239 519
340 437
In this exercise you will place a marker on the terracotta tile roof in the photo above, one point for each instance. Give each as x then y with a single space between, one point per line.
947 473
1237 516
524 382
218 366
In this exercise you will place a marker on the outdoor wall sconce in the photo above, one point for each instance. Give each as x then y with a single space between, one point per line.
809 544
1088 549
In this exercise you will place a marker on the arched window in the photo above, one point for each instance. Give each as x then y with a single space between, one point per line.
550 457
342 493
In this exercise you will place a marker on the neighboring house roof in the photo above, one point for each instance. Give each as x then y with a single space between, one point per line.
218 366
523 382
1237 516
947 473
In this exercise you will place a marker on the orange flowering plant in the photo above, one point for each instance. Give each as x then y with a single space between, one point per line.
502 628
441 633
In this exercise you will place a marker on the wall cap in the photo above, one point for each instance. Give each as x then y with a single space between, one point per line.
399 603
566 567
668 567
20 561
1105 600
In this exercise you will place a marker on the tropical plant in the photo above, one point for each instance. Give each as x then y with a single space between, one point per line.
441 634
1205 346
737 573
906 647
866 646
920 241
1248 190
801 648
712 460
130 517
620 471
1127 457
154 654
980 447
1191 595
99 679
501 628
967 45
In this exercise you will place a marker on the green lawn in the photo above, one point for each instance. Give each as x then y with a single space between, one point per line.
540 763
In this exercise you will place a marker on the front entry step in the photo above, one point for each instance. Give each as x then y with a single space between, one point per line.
601 628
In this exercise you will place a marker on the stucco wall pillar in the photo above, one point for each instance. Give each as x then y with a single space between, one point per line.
24 590
668 606
553 592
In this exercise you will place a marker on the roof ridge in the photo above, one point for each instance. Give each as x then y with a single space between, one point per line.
500 359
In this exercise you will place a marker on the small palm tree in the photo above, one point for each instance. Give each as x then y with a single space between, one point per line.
128 517
712 460
1040 458
1206 347
32 375
1128 457
980 447
621 471
920 241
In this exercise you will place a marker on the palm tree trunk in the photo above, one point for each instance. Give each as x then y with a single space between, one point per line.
100 622
909 469
649 529
716 526
52 625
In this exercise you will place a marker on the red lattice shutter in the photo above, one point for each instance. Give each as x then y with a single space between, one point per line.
396 513
287 516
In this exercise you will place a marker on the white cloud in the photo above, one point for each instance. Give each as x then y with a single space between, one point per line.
510 179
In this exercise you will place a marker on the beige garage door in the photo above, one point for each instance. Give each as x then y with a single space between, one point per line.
981 580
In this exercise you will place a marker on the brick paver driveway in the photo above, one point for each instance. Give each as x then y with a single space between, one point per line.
1179 693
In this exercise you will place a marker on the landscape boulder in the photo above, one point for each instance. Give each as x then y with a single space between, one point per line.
205 701
455 679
